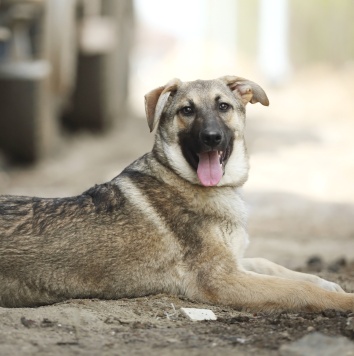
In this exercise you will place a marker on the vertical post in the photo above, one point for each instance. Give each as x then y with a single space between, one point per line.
220 37
273 55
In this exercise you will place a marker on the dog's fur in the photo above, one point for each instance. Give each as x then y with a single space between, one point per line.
164 225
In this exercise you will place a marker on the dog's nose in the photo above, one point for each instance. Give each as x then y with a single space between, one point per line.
211 137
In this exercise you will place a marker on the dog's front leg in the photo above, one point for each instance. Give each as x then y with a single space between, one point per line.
263 266
257 292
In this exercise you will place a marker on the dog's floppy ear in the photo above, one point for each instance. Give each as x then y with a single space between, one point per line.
249 92
156 100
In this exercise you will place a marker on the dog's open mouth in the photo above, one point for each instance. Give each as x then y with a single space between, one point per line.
210 169
209 165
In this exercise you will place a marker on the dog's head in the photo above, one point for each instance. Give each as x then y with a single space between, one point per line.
200 127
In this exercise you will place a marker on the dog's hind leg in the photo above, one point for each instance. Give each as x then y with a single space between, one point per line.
263 266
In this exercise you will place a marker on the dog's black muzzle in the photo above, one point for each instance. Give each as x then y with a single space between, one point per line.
211 136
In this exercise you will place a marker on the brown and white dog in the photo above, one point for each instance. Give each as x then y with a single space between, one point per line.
172 222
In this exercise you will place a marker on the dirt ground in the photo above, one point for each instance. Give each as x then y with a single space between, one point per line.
301 204
154 325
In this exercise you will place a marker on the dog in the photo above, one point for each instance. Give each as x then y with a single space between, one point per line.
172 222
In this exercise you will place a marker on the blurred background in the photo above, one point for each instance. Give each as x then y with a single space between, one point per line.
73 74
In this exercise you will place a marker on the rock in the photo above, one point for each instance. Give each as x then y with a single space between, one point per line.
28 323
337 265
317 344
315 263
350 323
349 328
198 314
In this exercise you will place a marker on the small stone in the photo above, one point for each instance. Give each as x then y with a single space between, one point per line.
285 334
337 265
349 328
45 323
350 323
315 263
329 313
198 314
28 323
241 340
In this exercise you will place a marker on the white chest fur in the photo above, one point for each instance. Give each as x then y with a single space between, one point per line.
226 205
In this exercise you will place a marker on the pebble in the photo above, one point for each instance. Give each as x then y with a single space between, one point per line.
315 263
198 314
350 323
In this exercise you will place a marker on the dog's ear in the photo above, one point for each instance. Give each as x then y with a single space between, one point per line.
156 100
249 92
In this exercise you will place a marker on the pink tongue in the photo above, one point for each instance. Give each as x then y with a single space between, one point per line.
209 169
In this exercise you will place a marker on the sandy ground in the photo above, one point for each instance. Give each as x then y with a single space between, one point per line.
301 203
155 326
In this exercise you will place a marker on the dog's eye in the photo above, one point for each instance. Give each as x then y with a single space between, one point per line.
187 111
223 106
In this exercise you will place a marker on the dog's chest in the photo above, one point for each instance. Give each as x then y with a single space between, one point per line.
234 236
226 216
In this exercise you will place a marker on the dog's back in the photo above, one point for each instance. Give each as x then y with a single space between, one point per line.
32 216
103 243
43 243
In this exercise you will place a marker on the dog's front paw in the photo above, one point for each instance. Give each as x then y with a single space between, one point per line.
331 286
